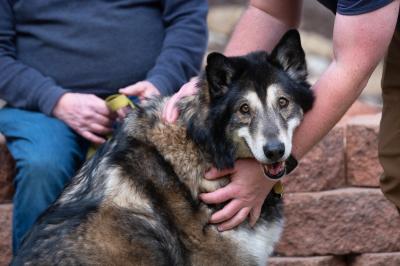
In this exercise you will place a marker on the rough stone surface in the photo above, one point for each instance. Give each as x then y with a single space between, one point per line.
306 261
342 221
360 107
7 170
377 259
363 167
5 234
322 168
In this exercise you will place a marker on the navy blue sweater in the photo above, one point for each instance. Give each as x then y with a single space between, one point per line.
50 47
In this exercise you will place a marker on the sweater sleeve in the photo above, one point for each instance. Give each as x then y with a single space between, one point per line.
20 85
184 44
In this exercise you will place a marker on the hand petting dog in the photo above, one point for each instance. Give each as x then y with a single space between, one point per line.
142 89
248 187
246 192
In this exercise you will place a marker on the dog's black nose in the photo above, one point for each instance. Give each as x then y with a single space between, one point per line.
274 150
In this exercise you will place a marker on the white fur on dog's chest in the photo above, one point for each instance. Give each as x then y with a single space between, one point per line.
256 243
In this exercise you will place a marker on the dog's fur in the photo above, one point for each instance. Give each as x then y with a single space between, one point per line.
136 201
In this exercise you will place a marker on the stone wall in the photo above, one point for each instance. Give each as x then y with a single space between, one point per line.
335 213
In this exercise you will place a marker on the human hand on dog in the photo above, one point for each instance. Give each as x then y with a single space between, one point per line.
170 111
142 89
87 114
246 191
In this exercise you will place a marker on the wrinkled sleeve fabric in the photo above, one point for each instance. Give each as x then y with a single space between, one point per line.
354 7
20 85
184 44
351 7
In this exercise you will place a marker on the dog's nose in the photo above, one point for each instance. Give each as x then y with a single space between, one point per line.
274 150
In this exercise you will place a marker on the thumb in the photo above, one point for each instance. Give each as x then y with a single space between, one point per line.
214 173
254 215
134 90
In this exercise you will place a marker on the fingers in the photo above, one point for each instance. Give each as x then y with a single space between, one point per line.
92 137
99 106
254 215
134 90
219 196
226 213
235 220
214 173
97 118
99 129
170 112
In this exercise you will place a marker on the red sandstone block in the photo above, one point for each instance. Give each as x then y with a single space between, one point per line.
377 259
306 261
5 234
342 221
322 168
359 108
363 167
7 171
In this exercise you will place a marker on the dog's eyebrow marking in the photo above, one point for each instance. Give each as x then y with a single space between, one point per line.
272 95
254 101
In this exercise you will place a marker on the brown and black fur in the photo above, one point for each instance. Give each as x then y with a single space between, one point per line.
136 201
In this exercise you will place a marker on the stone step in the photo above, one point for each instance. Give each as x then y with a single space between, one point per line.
323 168
5 234
377 259
306 261
7 170
342 221
363 167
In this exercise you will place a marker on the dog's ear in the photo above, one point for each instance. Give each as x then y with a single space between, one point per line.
219 73
289 55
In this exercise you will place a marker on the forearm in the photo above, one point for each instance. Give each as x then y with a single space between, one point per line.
360 42
335 92
262 25
184 45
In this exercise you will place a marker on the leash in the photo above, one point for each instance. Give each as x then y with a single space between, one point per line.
114 102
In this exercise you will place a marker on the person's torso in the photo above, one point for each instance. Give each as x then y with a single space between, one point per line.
90 44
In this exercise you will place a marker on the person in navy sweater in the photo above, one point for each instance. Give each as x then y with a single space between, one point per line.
60 59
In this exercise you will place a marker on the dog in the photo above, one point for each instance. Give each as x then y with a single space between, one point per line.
136 201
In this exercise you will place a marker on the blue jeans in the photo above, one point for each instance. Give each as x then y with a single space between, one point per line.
47 154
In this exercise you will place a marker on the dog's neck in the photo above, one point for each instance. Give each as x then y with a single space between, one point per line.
189 161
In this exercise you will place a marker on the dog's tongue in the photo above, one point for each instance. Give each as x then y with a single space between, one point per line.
275 168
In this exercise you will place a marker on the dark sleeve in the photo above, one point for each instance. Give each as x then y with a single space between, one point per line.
184 44
354 7
20 85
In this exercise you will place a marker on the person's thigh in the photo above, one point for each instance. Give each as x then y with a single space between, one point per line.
47 154
389 137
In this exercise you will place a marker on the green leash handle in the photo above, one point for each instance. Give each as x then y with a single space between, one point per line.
114 102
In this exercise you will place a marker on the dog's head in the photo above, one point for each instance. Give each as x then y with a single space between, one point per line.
255 103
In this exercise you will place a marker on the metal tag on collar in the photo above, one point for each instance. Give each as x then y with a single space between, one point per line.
278 188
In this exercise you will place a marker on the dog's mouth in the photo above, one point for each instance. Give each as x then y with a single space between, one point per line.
274 170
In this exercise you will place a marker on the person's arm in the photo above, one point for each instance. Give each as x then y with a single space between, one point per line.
20 85
24 87
184 44
360 42
262 25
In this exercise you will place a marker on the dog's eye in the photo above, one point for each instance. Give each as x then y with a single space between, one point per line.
283 102
245 109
